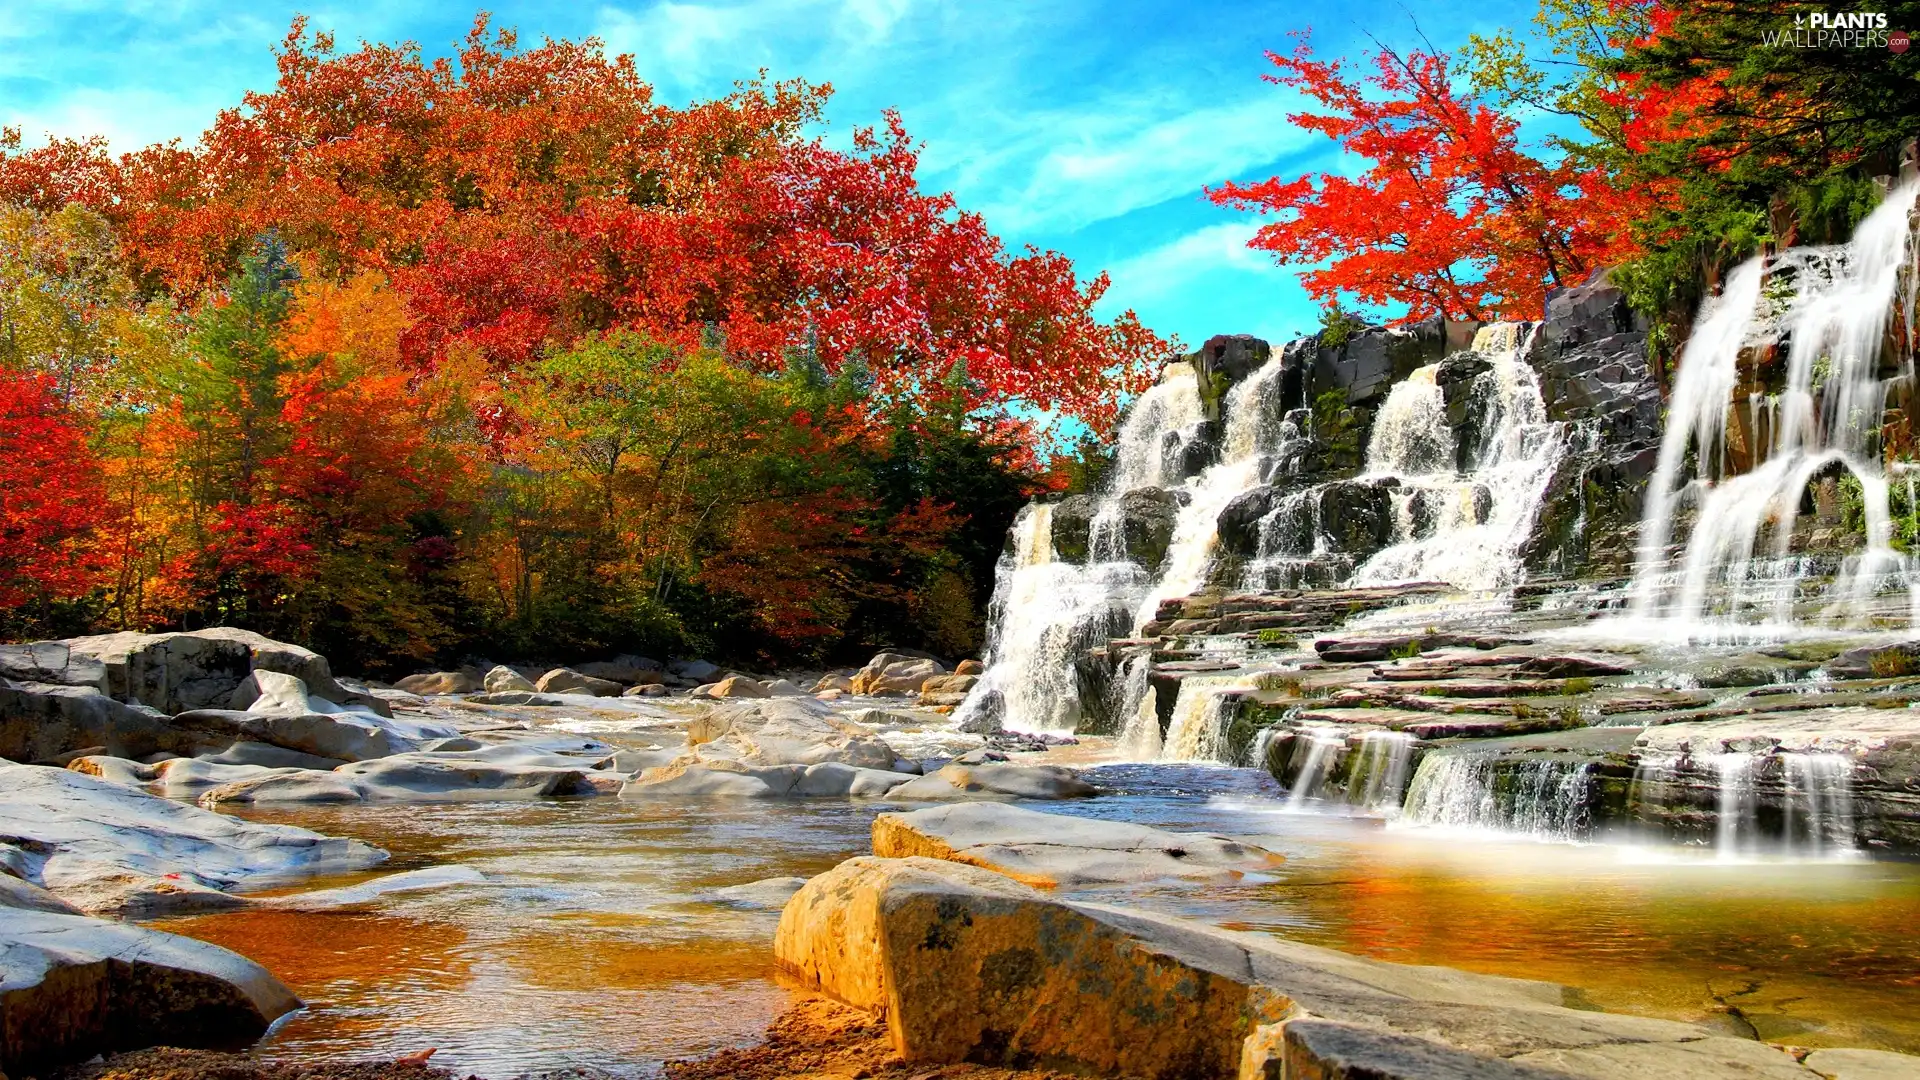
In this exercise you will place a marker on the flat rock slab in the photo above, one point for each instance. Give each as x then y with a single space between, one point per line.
1844 730
1048 850
827 779
72 987
423 777
969 965
112 849
957 782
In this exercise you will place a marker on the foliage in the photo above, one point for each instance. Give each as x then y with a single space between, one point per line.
1407 651
50 501
1338 325
412 360
1334 423
1450 216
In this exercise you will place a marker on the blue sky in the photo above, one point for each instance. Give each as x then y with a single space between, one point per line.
1083 126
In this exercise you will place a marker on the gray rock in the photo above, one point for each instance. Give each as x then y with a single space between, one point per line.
116 770
41 721
785 731
830 779
249 752
51 662
513 773
110 849
1863 1065
994 782
72 987
503 679
696 671
625 670
199 669
345 736
1048 850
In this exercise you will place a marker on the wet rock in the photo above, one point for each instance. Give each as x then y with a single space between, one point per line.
1238 526
72 987
1567 667
1356 516
785 731
503 679
110 849
1049 850
569 681
40 721
516 697
1348 650
1072 525
692 777
344 736
956 782
430 684
1147 518
1876 661
1370 361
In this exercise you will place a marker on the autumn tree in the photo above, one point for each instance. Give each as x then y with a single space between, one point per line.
50 503
1451 216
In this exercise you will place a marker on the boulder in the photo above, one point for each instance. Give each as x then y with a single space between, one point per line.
72 987
739 686
515 697
834 681
969 965
249 752
646 690
503 679
492 773
696 671
785 731
41 721
783 688
892 673
432 683
994 782
625 670
51 662
110 849
970 667
117 770
1046 850
569 681
827 779
198 669
344 735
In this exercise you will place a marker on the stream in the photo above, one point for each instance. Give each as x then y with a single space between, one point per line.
595 941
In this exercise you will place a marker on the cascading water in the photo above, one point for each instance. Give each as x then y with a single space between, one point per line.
1253 428
1047 612
1832 307
1819 804
1322 749
1381 775
1198 731
1465 529
1735 822
1544 800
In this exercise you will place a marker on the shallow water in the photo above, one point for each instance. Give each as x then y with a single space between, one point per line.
595 940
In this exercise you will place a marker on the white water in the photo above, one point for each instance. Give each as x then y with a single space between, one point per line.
1198 729
1384 760
1735 830
1046 612
1479 518
1832 306
1819 804
1323 748
1543 800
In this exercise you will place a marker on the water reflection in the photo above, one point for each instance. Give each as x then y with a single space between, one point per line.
595 941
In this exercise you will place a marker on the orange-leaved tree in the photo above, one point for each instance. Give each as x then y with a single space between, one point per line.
1450 215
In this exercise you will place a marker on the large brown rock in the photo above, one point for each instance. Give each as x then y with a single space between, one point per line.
429 683
969 965
569 681
894 674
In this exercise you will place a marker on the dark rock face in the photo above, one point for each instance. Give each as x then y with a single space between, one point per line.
1356 516
1591 355
1234 356
1372 360
1147 516
1072 522
1238 526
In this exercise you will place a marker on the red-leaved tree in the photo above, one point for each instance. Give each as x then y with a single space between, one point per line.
1450 217
50 498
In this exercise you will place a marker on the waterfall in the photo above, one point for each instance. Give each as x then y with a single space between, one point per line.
1381 774
1253 425
1735 826
1140 735
1045 612
1198 731
1546 799
1479 519
1819 803
1323 747
1832 307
